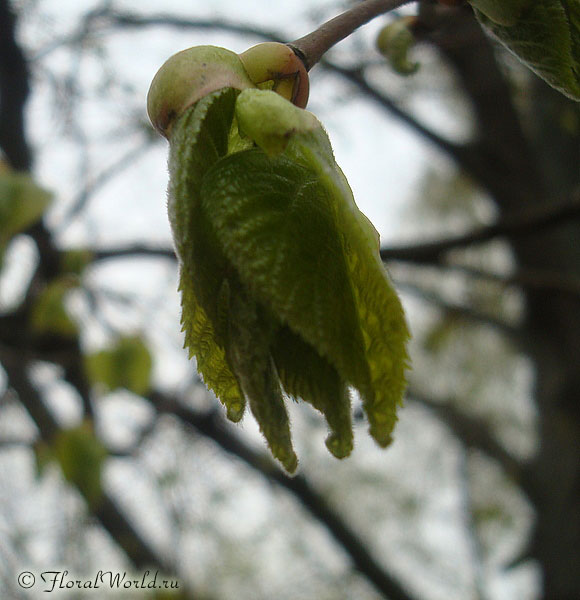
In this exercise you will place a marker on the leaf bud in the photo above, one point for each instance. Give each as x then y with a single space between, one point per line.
277 64
394 42
188 76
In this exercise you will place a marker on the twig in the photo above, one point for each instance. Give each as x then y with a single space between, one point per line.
84 196
536 279
311 47
138 250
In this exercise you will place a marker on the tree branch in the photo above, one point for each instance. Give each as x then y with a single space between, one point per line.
537 279
212 426
101 179
14 90
533 220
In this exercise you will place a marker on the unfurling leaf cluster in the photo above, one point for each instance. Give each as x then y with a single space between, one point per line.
283 290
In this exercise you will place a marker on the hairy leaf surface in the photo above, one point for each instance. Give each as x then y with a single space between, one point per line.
283 290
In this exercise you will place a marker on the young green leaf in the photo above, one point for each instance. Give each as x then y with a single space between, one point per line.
291 228
544 34
282 286
199 139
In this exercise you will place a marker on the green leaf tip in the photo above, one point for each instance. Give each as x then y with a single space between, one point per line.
543 34
283 291
270 120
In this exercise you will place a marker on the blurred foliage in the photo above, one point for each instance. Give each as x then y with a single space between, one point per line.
75 261
22 203
80 455
126 364
49 313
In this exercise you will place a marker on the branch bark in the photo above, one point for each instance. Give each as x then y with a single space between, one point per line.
14 90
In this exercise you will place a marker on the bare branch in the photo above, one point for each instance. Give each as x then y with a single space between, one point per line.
528 222
537 279
14 90
137 250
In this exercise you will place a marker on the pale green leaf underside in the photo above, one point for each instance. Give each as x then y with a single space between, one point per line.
546 37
